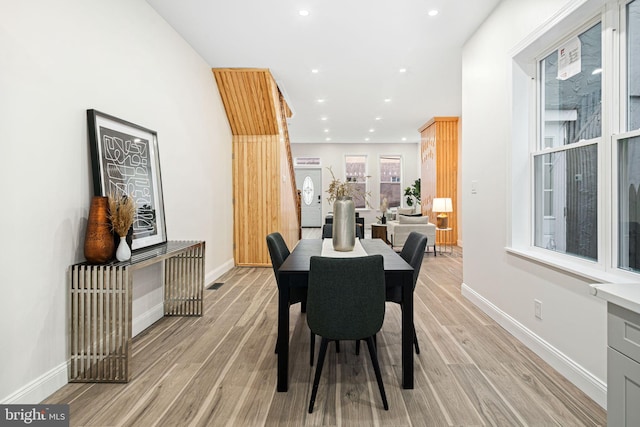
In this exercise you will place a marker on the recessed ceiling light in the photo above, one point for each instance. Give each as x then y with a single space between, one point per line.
403 70
303 12
387 100
314 71
326 131
328 139
433 12
404 139
366 139
372 130
320 101
323 118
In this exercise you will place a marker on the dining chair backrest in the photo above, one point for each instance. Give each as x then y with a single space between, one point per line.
278 251
327 231
413 252
346 297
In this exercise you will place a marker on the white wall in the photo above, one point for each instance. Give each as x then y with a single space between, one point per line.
572 332
59 59
333 155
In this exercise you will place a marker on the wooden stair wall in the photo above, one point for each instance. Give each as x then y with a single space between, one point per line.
265 198
439 169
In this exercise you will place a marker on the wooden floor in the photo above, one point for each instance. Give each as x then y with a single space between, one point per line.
220 369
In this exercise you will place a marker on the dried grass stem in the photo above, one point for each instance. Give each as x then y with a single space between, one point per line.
122 210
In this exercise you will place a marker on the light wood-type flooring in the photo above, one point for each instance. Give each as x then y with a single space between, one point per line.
220 369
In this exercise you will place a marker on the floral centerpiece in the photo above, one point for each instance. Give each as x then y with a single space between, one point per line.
340 189
344 214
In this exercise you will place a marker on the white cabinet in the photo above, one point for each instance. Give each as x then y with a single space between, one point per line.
623 367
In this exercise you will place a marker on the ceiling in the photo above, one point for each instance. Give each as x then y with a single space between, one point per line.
358 48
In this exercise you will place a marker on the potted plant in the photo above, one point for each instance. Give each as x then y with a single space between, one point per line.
412 193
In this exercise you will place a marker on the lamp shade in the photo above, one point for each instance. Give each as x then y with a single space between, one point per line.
442 205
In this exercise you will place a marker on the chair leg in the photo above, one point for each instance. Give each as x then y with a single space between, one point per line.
316 380
312 349
376 368
303 307
415 340
337 346
375 341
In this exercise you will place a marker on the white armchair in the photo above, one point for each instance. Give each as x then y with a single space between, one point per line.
399 229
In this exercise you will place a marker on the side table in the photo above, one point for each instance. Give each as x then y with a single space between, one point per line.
379 231
445 239
100 298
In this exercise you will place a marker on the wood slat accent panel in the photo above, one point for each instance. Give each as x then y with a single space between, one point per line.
247 95
439 168
256 194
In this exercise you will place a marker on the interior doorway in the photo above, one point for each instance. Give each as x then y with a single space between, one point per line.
309 182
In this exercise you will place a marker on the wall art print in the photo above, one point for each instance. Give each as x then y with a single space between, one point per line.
125 160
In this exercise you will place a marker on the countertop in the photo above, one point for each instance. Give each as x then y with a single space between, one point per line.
625 295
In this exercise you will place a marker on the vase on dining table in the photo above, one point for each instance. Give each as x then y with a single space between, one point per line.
344 224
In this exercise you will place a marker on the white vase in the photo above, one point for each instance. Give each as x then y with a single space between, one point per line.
344 224
123 253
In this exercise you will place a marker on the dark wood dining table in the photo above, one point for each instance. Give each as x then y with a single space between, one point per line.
294 272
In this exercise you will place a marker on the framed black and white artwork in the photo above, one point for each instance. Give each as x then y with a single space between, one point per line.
125 160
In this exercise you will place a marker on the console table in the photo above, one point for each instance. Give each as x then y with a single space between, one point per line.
100 298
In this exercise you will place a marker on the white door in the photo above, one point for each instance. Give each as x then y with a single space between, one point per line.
309 182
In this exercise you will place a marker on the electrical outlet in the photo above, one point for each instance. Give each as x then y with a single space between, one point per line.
537 308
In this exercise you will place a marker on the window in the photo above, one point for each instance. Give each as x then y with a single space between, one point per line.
628 149
390 180
566 162
629 202
356 174
576 135
633 65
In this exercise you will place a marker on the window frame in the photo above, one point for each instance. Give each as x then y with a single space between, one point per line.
380 181
538 145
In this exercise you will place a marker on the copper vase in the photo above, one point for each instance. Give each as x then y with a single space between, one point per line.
98 241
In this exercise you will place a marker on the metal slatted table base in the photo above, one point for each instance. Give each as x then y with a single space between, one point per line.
101 299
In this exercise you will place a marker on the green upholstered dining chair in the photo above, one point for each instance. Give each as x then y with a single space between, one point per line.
413 254
346 301
279 251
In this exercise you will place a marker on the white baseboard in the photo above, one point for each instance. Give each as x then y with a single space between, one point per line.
146 319
40 388
582 378
211 276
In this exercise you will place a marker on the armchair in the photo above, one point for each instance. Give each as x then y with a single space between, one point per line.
398 230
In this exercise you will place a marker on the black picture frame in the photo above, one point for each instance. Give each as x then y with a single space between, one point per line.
125 160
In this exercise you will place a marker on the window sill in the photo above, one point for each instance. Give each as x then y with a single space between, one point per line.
586 270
